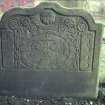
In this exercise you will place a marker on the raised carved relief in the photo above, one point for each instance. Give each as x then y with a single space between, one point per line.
49 51
47 17
87 51
68 24
87 45
38 47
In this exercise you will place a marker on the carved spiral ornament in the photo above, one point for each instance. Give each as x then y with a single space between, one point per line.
13 23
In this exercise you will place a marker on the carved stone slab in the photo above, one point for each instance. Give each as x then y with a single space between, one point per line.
49 51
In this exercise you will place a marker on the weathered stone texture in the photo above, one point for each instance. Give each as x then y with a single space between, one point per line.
49 51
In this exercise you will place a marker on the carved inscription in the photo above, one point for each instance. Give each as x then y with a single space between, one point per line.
43 47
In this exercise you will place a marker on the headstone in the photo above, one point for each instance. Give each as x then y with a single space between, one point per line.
49 51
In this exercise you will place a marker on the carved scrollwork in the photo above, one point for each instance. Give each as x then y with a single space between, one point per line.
68 24
13 23
82 25
25 22
18 22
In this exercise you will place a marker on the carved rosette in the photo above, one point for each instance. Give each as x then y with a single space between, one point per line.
82 25
13 23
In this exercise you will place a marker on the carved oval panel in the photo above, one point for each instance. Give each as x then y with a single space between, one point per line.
47 50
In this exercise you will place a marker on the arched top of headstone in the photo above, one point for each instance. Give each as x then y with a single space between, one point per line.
49 51
54 7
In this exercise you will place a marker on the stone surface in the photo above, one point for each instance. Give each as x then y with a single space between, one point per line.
49 51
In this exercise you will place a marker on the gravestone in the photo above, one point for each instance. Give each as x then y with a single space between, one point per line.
49 51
